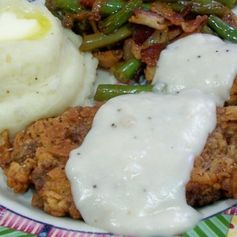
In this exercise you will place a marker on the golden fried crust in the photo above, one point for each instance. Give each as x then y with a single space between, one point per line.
38 156
54 193
215 171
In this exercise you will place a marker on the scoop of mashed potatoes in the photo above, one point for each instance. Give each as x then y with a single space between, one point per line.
42 71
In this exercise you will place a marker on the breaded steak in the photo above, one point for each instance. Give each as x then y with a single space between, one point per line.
37 157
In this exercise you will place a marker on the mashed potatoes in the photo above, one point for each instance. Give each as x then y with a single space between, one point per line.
42 72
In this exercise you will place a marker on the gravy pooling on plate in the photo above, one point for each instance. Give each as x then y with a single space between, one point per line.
129 175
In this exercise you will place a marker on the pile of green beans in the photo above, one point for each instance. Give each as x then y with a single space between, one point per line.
113 28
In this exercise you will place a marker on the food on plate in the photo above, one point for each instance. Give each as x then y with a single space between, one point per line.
82 161
37 157
127 36
133 176
42 71
210 66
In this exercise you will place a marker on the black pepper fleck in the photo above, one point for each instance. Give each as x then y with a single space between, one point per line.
113 125
119 110
199 56
36 78
149 117
217 51
7 91
78 153
94 186
227 50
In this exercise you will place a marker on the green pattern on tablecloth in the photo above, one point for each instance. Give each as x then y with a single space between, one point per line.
216 226
12 233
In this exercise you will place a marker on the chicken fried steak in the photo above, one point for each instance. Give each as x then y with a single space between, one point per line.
38 155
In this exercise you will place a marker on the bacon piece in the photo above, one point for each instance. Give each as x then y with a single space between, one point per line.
149 19
151 54
87 3
193 25
165 11
177 19
108 59
142 33
174 33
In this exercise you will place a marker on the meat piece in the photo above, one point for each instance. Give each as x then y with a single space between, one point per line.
109 58
87 3
151 54
38 156
150 19
188 26
214 175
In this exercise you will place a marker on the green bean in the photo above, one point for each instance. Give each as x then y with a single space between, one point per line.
110 7
68 5
100 40
228 3
126 70
207 30
200 7
115 21
107 91
222 29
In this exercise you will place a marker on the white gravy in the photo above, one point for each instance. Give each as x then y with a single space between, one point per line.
199 61
129 175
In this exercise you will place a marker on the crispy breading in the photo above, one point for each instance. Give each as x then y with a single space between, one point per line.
214 175
38 155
